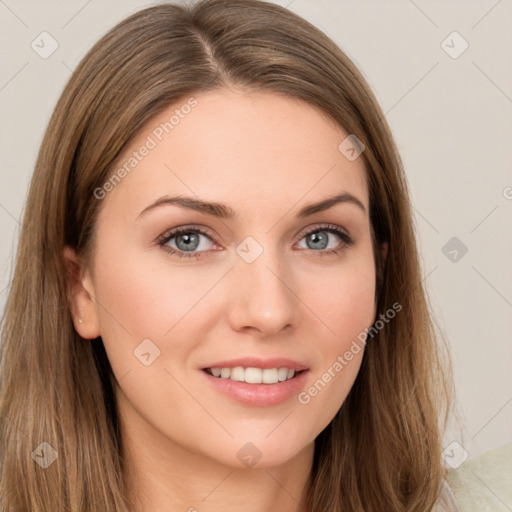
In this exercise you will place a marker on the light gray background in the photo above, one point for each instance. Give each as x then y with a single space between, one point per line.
452 120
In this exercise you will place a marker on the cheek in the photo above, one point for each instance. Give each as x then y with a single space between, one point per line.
343 296
344 300
147 298
141 299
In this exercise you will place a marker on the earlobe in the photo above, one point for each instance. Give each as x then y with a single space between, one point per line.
82 303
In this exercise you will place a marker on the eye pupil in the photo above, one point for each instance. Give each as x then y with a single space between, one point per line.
191 241
319 240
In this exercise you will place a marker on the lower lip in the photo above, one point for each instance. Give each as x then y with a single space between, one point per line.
259 395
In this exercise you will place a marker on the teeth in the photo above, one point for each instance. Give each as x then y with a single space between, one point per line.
270 376
282 374
237 374
253 375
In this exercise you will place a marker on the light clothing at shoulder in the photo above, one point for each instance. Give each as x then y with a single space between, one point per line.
447 501
483 484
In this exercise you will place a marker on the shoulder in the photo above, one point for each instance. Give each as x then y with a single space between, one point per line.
447 501
481 484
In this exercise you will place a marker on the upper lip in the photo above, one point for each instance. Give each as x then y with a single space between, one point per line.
256 362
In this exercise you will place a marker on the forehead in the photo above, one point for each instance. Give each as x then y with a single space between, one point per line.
239 148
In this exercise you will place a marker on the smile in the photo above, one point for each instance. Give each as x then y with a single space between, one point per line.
269 392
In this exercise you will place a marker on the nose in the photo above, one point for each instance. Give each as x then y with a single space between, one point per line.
262 297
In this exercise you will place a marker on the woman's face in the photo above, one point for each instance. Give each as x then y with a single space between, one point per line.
251 289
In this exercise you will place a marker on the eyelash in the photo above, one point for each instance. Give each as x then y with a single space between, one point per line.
329 228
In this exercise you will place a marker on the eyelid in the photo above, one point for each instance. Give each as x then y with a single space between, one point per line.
172 232
320 227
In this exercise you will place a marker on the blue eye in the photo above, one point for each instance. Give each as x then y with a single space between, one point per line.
185 239
186 242
318 239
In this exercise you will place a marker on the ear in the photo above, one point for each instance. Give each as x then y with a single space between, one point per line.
82 301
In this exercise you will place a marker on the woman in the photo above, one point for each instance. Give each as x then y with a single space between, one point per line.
217 301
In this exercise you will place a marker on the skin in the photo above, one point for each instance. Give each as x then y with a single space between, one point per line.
266 156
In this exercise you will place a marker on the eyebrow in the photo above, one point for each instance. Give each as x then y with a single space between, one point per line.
223 211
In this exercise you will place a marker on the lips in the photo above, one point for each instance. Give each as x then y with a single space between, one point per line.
258 395
255 381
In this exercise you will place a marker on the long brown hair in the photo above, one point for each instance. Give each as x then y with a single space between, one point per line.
382 451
